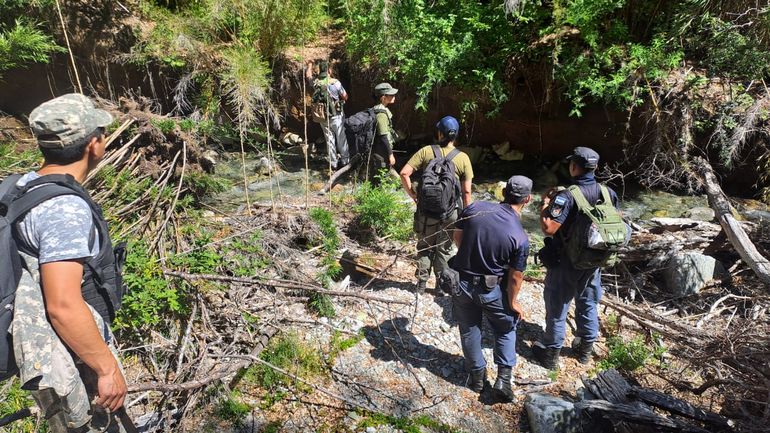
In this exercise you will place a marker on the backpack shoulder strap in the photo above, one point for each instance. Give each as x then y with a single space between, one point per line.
580 199
606 197
8 184
436 151
452 154
25 202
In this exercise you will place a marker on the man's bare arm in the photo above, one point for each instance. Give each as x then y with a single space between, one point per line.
457 236
74 323
513 285
466 192
406 181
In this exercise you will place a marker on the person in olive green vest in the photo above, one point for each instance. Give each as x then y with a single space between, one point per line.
434 240
384 134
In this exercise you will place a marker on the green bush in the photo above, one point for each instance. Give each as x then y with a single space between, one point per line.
14 399
383 209
232 410
406 425
23 43
630 355
289 353
319 303
150 297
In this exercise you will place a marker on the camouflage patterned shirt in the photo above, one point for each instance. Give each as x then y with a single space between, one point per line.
58 229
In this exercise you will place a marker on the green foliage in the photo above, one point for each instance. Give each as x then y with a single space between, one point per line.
290 353
23 42
165 125
432 43
383 208
630 355
150 297
14 399
243 258
319 303
339 344
232 410
14 161
407 425
202 184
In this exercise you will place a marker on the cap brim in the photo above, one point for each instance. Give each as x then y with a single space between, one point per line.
390 91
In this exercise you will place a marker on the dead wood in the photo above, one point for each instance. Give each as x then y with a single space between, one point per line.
735 233
285 284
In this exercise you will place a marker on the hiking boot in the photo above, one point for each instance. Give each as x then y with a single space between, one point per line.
477 380
419 288
502 387
583 350
546 356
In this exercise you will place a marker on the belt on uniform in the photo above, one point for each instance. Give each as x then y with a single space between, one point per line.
487 281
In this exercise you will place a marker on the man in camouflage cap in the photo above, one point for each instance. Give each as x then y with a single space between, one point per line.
62 341
384 134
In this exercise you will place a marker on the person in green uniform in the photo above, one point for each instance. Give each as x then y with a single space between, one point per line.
434 240
385 136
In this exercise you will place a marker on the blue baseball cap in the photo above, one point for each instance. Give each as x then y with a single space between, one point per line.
449 126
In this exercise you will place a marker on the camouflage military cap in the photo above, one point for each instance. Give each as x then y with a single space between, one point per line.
67 120
384 89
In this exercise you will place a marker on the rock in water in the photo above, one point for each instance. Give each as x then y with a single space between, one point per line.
549 414
686 273
700 214
264 166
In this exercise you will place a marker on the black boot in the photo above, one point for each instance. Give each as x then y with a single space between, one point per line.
502 386
583 350
546 356
477 380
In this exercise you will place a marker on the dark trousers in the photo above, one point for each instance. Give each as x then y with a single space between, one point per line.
563 283
474 300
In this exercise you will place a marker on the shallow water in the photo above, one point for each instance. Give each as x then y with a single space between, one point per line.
639 205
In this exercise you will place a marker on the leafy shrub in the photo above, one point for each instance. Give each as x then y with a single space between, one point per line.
383 209
331 269
150 297
289 353
629 355
407 425
339 344
230 409
13 399
24 43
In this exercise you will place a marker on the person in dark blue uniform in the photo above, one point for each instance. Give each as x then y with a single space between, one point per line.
563 282
491 258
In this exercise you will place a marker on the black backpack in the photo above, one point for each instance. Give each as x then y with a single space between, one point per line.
360 131
439 189
15 202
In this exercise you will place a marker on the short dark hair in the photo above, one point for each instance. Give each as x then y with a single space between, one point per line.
514 199
68 154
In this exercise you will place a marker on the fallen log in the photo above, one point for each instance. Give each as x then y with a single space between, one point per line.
677 406
284 284
631 414
735 233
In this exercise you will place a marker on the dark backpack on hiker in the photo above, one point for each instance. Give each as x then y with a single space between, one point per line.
439 189
360 131
102 282
597 233
323 105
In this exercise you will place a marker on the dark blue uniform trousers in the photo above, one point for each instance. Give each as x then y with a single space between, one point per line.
563 283
474 299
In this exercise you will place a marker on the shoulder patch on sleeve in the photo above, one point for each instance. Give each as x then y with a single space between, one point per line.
557 206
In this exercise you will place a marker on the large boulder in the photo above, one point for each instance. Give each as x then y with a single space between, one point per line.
549 414
687 272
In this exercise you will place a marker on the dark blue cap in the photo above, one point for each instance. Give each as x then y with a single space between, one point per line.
449 126
585 157
518 186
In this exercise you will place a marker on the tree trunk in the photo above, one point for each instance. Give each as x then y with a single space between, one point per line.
735 233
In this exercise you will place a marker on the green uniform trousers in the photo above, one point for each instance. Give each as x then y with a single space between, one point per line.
434 244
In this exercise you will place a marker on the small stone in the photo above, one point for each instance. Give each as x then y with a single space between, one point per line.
371 430
700 214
